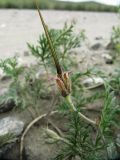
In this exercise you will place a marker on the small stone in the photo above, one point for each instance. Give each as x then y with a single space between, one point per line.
26 53
99 38
11 125
96 46
93 82
6 105
108 58
110 46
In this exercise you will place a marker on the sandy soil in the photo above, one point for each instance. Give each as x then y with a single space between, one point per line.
20 26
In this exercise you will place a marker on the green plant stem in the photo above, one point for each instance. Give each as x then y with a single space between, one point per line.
73 109
99 132
65 141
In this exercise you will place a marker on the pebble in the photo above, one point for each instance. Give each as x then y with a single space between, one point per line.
8 104
108 58
93 82
26 53
99 38
110 46
13 126
96 46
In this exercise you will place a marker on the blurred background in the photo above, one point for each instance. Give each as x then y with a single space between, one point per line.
84 5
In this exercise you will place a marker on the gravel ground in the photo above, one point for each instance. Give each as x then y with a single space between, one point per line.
20 26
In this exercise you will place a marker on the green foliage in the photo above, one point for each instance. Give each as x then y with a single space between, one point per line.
91 148
34 89
10 95
116 35
25 90
54 4
29 91
40 51
80 93
115 82
109 111
86 142
10 67
81 143
116 38
89 72
6 139
81 140
63 40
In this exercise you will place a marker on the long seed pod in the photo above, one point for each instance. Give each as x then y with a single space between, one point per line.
53 52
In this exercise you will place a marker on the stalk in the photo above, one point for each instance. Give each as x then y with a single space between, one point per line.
73 109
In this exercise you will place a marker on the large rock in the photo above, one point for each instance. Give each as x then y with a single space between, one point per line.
11 125
10 152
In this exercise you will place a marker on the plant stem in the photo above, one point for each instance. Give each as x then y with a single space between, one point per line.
69 100
65 141
73 109
99 131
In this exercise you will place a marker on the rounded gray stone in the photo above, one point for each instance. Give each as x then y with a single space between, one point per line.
11 125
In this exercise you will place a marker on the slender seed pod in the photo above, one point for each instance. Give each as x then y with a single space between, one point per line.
62 80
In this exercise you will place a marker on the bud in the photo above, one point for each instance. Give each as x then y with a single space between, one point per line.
64 84
52 136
